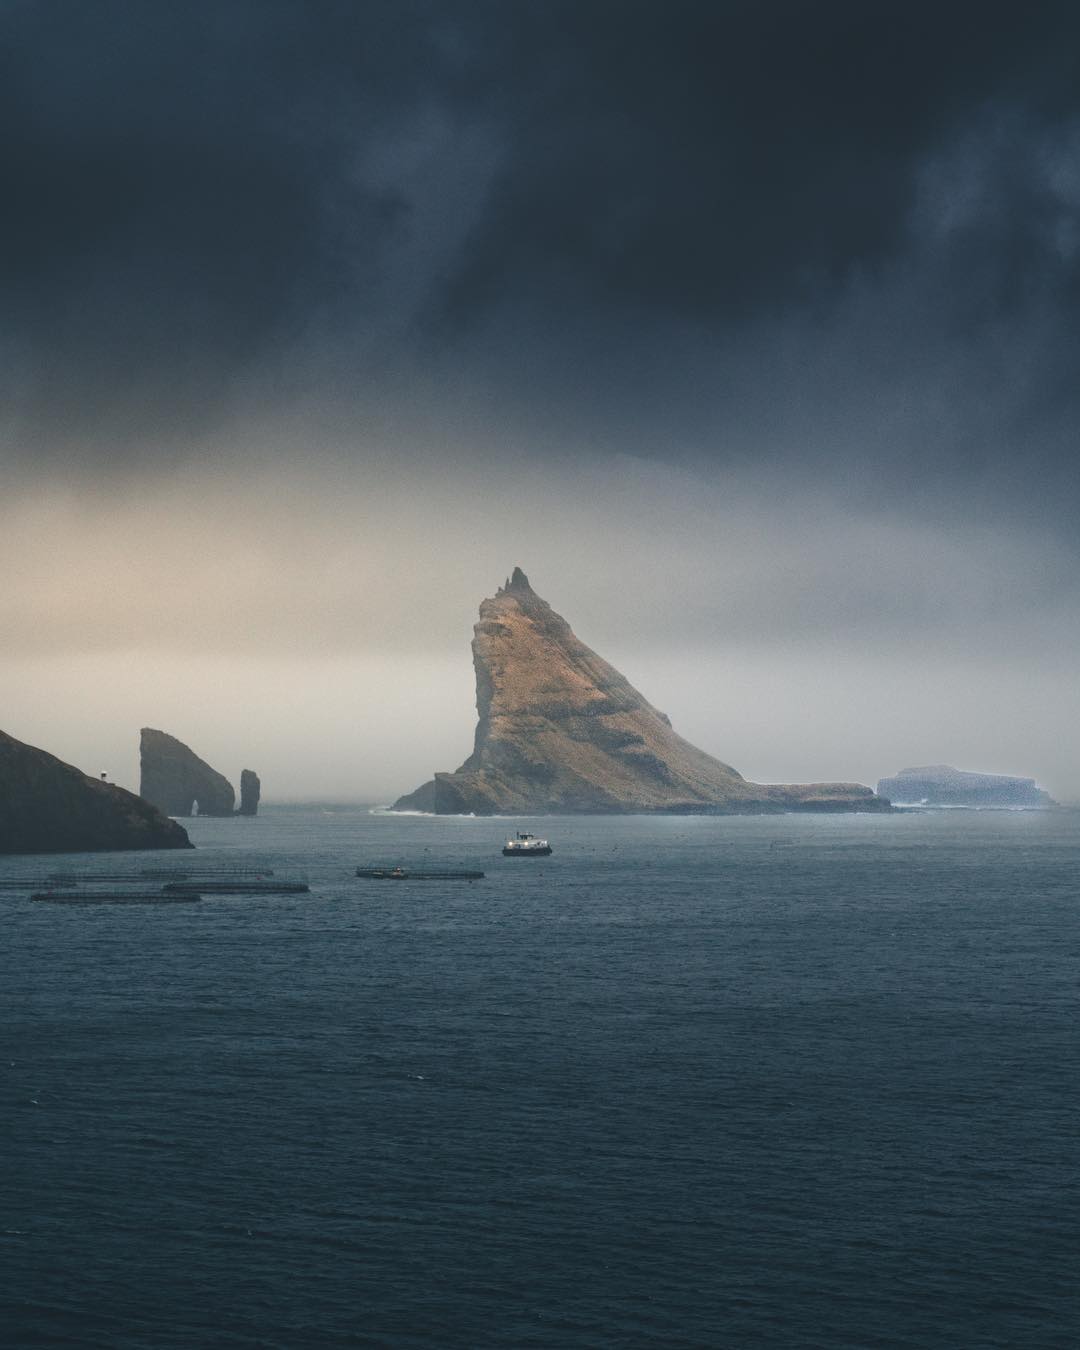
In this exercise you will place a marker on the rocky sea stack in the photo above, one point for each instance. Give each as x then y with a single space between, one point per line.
250 790
47 806
174 778
560 730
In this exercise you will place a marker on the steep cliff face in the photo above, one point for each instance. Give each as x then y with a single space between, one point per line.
250 791
560 730
174 778
47 806
942 785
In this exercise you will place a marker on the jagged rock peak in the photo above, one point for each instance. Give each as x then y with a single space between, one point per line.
47 806
174 778
561 730
518 582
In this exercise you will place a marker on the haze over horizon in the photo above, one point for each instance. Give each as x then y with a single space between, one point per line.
748 331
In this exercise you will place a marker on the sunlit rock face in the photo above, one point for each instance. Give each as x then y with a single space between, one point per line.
942 785
173 778
560 730
47 806
250 791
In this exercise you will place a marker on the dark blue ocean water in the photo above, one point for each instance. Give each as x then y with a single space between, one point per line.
790 1082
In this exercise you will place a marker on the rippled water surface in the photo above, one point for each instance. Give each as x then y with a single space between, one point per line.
791 1082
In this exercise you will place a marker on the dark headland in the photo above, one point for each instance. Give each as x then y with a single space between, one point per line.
47 806
561 731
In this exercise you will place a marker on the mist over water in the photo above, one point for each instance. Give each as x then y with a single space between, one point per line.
322 636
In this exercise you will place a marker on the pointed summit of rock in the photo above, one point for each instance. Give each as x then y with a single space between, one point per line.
561 730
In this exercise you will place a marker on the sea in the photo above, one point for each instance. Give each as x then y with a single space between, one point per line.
791 1081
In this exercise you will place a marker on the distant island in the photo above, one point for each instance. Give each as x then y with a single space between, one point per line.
942 785
47 806
561 731
175 780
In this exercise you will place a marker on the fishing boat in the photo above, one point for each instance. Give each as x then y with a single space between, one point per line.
526 846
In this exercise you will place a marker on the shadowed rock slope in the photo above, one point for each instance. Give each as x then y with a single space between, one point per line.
47 806
560 730
174 778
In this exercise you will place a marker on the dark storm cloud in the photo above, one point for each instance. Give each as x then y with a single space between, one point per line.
742 226
184 190
718 159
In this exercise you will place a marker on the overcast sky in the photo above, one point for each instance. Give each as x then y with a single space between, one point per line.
750 330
